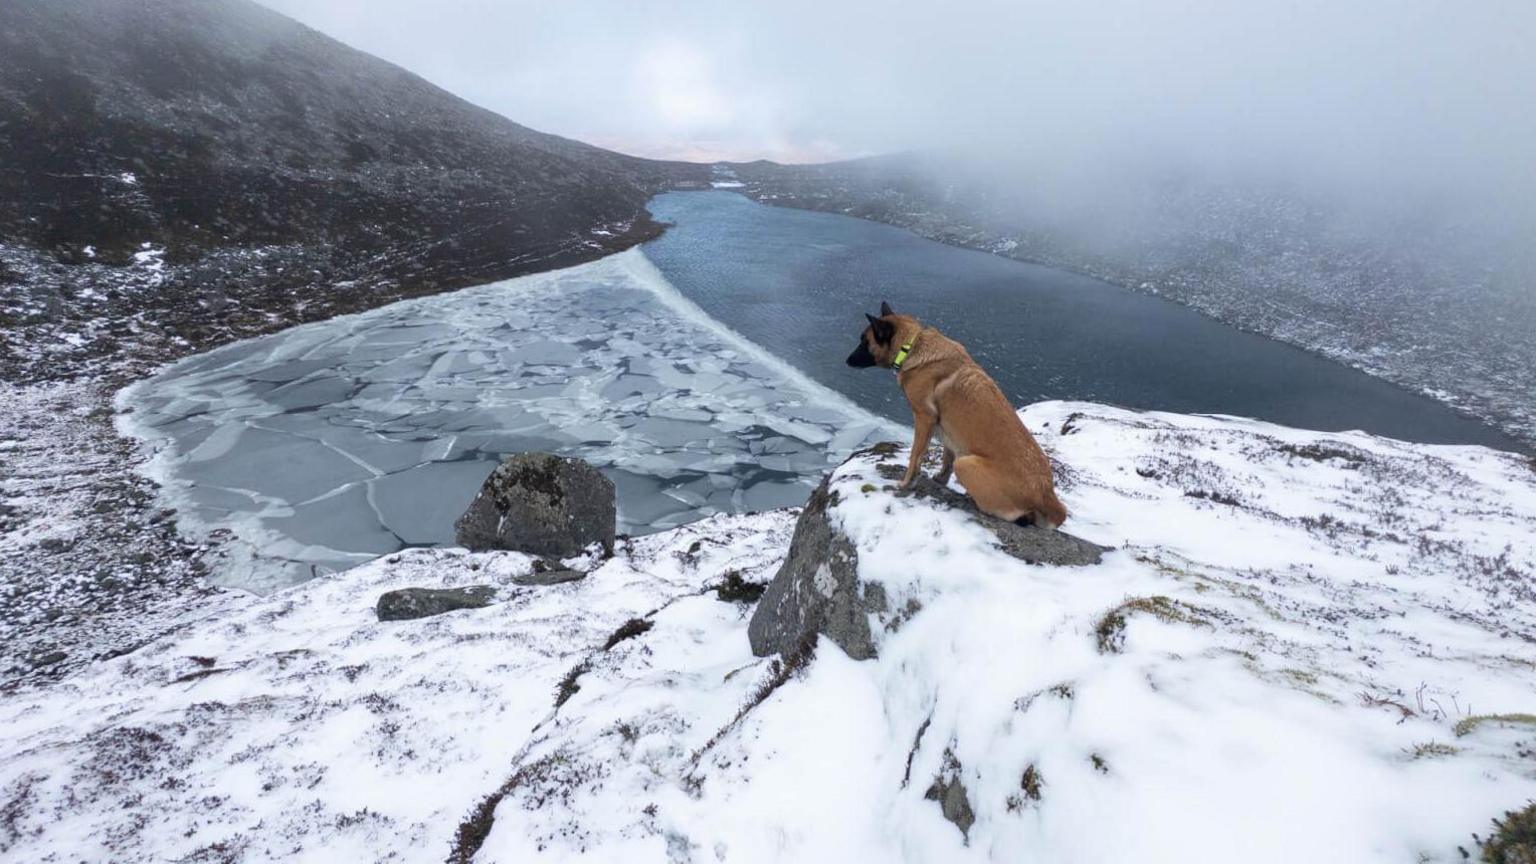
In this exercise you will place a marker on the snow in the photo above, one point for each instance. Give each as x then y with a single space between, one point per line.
298 727
1302 614
152 259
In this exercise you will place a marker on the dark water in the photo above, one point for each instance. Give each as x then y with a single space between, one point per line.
798 283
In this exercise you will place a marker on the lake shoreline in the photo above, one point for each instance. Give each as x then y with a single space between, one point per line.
977 240
96 566
1476 429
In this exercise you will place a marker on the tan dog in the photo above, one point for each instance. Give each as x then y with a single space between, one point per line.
985 443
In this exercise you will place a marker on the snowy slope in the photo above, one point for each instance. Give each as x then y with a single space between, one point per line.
1274 664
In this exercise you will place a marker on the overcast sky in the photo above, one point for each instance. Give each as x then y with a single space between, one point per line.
1384 88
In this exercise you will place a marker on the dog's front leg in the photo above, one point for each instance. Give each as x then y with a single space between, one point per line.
922 426
946 466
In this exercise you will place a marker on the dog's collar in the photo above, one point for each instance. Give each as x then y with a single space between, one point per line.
901 356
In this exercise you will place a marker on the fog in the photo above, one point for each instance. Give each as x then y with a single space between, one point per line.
1439 95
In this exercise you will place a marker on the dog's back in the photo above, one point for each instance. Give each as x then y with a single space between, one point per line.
995 458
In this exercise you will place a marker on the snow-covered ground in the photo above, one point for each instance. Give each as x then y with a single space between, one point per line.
1284 659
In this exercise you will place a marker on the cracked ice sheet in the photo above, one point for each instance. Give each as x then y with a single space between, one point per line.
320 447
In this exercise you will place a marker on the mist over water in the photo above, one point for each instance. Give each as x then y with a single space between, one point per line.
798 284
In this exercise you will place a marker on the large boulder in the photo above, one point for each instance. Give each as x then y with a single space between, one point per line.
817 589
820 589
542 504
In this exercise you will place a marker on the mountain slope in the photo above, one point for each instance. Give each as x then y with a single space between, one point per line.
221 168
1303 646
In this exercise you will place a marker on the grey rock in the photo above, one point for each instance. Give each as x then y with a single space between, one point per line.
1024 542
549 577
947 789
406 604
49 659
818 590
542 504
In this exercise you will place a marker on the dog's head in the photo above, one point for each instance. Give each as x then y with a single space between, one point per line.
877 344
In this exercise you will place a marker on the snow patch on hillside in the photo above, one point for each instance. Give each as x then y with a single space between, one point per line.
1280 657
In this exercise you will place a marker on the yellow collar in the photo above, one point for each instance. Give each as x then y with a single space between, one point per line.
901 356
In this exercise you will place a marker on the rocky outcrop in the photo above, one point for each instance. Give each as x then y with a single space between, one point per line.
542 504
1024 542
819 589
406 604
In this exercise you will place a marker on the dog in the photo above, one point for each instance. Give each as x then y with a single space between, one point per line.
985 444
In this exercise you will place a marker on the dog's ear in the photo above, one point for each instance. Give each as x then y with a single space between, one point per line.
884 330
885 309
872 319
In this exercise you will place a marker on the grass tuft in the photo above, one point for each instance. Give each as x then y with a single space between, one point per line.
568 686
628 630
734 589
1513 840
1431 750
1111 628
1467 725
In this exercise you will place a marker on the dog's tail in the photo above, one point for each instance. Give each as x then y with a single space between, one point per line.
1050 514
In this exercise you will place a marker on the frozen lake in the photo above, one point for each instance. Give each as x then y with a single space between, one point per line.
799 281
328 444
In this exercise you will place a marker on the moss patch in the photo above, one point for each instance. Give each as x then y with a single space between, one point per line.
1323 452
628 630
734 589
475 827
1467 725
1110 630
1513 840
1031 789
780 671
568 686
1432 749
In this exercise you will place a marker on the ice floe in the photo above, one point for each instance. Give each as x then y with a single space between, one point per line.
322 446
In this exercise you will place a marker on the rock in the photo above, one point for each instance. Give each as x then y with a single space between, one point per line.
549 577
49 659
949 791
1024 542
818 589
408 603
542 504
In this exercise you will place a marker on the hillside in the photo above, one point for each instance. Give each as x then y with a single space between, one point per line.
1300 647
179 173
